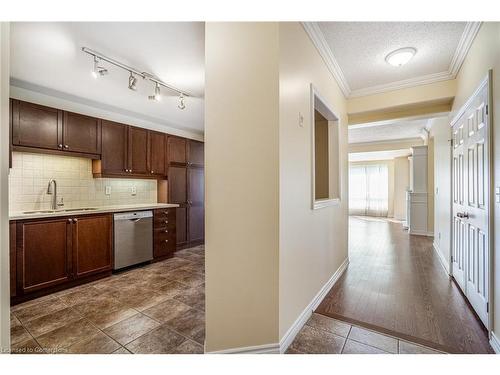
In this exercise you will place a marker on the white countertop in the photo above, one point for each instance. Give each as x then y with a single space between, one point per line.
95 210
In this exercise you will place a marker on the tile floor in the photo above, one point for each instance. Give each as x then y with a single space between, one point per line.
157 308
324 335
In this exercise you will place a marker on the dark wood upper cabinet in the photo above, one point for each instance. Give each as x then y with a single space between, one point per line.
92 244
43 254
114 150
157 153
177 150
81 133
177 184
196 153
36 126
138 150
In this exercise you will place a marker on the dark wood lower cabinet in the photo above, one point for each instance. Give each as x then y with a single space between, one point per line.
52 254
92 245
164 233
43 254
12 256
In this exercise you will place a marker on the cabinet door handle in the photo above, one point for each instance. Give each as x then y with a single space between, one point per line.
166 241
166 221
66 146
152 171
60 145
70 220
166 230
75 220
166 212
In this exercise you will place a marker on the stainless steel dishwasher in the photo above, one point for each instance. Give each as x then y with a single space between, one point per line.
133 238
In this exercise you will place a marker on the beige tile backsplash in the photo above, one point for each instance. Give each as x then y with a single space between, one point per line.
31 173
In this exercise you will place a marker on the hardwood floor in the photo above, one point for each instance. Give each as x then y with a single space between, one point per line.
396 285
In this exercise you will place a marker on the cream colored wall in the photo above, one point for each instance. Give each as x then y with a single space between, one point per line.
401 184
440 133
430 185
4 170
390 180
411 95
242 184
30 174
313 243
484 55
385 146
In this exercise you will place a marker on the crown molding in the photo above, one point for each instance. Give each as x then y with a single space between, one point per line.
402 84
319 41
468 36
316 35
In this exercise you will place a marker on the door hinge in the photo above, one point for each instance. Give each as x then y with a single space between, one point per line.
486 108
487 307
452 259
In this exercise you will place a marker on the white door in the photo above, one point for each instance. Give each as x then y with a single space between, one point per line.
470 241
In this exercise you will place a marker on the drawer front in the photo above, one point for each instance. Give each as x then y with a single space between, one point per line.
164 218
164 235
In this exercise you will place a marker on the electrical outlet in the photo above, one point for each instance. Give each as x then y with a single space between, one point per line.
133 190
301 120
108 190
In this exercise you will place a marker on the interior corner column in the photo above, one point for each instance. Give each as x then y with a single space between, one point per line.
242 182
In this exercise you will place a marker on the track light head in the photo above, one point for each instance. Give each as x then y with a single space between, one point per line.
181 101
98 70
132 82
157 95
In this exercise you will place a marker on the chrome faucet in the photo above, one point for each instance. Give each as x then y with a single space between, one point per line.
53 192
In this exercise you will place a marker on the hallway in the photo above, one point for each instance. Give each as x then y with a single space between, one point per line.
396 285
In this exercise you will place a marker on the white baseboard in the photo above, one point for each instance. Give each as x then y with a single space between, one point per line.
421 233
442 259
289 336
495 343
259 349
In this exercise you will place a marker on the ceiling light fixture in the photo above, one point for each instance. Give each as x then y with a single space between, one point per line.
400 56
181 102
98 70
134 73
157 95
132 81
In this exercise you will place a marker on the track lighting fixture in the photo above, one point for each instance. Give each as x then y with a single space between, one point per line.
181 102
99 70
157 95
132 82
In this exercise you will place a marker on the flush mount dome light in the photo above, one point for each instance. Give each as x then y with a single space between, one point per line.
400 56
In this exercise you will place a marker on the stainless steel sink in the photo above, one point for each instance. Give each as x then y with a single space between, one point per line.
64 210
80 209
39 212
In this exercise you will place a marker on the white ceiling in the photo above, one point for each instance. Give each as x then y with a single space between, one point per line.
48 56
387 132
378 155
355 52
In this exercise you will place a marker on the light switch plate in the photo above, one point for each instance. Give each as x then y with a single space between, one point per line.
133 190
107 190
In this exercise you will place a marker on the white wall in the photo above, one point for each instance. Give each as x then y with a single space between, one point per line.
313 243
440 132
242 184
401 184
4 171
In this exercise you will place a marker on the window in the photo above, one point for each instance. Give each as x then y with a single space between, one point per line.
326 167
369 190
